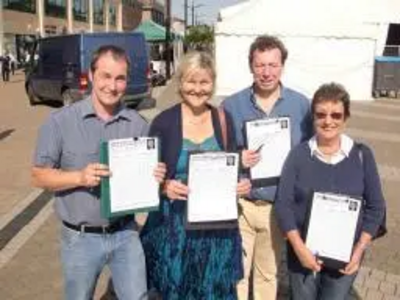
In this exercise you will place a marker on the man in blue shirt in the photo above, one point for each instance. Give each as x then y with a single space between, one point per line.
67 162
267 97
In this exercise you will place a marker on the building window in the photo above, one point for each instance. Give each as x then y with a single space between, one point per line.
20 5
131 3
98 16
55 8
113 15
157 17
80 10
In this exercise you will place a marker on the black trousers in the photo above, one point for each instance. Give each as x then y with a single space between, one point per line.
6 75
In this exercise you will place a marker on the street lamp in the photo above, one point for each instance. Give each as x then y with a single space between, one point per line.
198 18
193 8
185 8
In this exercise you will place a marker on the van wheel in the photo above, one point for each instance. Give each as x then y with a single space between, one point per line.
33 100
67 98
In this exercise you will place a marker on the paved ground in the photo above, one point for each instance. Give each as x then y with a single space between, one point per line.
18 127
29 264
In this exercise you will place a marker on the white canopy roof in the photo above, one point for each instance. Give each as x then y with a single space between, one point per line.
339 18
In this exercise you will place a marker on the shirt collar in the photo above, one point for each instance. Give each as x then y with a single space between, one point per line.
87 110
283 94
346 144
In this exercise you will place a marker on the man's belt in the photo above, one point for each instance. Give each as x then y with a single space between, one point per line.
111 228
259 202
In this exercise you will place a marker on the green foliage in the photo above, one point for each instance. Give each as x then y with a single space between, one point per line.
200 37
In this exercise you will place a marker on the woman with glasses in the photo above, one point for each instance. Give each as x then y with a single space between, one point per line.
330 162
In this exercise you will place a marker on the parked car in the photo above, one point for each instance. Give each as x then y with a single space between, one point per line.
157 79
60 71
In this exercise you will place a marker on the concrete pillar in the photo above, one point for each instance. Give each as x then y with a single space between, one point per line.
40 14
1 28
107 15
119 16
90 15
70 17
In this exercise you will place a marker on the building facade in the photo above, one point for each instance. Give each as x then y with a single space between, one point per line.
153 10
178 25
23 20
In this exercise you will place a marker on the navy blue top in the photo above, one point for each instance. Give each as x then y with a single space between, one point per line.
304 173
243 107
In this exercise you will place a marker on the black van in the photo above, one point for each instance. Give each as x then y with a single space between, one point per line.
59 70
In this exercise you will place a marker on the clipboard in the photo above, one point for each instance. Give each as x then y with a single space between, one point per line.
330 228
213 224
106 207
272 153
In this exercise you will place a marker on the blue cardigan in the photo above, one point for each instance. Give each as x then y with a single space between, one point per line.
304 173
167 126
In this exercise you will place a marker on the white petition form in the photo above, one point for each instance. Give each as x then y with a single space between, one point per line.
132 183
272 138
212 182
332 225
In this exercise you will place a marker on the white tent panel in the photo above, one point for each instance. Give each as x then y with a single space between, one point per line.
231 58
230 11
381 38
340 18
312 61
327 41
307 13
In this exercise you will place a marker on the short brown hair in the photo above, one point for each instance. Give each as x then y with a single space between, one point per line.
116 52
333 92
267 42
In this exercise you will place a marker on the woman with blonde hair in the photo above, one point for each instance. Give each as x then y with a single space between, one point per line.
181 263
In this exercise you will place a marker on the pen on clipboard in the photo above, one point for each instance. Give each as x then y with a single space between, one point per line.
316 258
259 148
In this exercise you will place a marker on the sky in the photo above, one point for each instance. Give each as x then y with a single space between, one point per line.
207 10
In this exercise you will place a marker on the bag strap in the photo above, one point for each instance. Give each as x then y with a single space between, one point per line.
382 230
361 158
224 130
360 154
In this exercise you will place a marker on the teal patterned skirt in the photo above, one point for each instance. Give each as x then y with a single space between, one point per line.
190 264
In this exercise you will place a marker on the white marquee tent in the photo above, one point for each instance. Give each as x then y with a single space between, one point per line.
327 41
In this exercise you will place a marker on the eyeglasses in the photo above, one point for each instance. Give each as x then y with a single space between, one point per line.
262 67
334 115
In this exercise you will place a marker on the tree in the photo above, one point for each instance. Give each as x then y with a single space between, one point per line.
200 37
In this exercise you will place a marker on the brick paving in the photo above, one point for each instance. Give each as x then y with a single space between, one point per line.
18 127
29 265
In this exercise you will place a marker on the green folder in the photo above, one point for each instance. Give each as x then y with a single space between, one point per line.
105 192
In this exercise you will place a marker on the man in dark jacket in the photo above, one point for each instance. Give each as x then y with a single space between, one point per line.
5 70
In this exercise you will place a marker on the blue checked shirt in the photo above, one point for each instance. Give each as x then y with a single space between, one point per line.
243 107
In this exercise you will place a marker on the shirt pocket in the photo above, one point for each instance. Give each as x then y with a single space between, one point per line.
76 159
